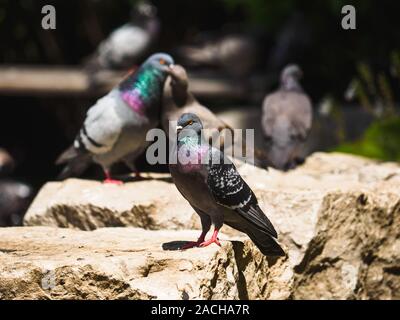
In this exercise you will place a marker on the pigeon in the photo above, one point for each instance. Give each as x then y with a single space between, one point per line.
286 120
15 198
128 44
177 100
6 163
115 127
216 191
236 54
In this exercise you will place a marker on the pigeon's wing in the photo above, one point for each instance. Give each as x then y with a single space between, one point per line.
101 128
231 191
272 108
301 114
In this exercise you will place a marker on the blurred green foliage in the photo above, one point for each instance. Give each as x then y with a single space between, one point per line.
380 141
375 93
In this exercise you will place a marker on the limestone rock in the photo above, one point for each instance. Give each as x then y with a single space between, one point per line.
355 253
83 204
130 263
292 200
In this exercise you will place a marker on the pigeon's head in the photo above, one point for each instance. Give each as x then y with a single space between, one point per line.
160 61
143 10
179 76
290 77
189 122
292 71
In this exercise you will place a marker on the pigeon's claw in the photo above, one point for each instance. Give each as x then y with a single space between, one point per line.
208 242
113 181
193 244
110 180
214 239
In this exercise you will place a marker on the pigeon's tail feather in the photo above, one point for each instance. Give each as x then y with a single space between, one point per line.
262 239
75 167
264 242
76 162
67 155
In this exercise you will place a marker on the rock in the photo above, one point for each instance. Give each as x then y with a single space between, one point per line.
291 199
355 253
130 263
87 205
336 215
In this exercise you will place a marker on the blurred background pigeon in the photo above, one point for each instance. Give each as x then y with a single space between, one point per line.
286 120
234 54
15 198
177 100
129 44
115 127
6 163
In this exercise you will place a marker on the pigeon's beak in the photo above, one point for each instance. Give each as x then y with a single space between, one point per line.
178 129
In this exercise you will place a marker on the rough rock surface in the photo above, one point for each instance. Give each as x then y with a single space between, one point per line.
337 216
153 203
130 263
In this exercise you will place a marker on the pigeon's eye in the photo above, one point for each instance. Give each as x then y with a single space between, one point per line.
190 122
162 61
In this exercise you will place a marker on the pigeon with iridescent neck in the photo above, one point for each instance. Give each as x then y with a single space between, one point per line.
286 120
115 127
216 191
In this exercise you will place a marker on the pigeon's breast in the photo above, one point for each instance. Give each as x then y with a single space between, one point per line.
193 187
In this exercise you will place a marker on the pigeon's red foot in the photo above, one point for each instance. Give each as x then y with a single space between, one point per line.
193 244
214 239
112 181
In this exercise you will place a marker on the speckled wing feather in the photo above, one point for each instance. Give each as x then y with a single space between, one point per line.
230 190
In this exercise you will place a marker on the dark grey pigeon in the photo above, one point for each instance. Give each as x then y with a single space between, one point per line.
286 120
115 127
216 191
130 43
